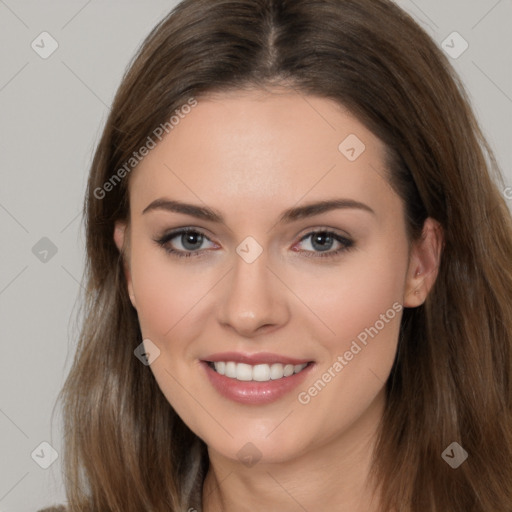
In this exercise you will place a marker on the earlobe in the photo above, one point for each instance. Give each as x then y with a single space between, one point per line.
424 264
121 241
119 233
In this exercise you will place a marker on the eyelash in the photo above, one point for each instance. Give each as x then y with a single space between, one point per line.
346 242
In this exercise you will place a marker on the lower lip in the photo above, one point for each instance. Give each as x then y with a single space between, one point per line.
253 392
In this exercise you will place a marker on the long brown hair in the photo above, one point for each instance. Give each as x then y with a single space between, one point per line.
125 447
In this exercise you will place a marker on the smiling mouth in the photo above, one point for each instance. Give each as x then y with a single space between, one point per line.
258 372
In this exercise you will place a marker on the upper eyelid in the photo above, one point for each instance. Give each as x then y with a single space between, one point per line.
173 233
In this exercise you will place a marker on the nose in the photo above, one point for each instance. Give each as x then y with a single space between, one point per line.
253 298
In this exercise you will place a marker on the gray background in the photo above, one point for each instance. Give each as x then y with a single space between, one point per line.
52 113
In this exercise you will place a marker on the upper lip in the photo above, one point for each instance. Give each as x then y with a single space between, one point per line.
253 359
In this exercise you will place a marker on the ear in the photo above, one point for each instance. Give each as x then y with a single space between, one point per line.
424 261
121 236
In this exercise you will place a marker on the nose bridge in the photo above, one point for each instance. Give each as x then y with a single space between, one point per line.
252 296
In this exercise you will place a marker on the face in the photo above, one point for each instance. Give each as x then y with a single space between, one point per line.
306 300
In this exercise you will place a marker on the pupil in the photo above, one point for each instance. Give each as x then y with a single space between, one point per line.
317 238
188 238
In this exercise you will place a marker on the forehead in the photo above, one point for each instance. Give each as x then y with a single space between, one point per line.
264 149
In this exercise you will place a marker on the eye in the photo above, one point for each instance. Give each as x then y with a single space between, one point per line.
190 240
322 241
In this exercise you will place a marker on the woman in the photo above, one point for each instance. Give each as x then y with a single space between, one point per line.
299 280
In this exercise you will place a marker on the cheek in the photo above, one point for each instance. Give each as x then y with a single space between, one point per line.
364 309
164 293
352 297
362 306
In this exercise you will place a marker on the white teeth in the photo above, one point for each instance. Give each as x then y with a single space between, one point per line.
258 372
276 371
243 371
261 372
288 370
230 370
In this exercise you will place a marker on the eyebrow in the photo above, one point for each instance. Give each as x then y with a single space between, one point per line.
290 215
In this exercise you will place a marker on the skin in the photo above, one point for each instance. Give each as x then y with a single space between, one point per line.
250 155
